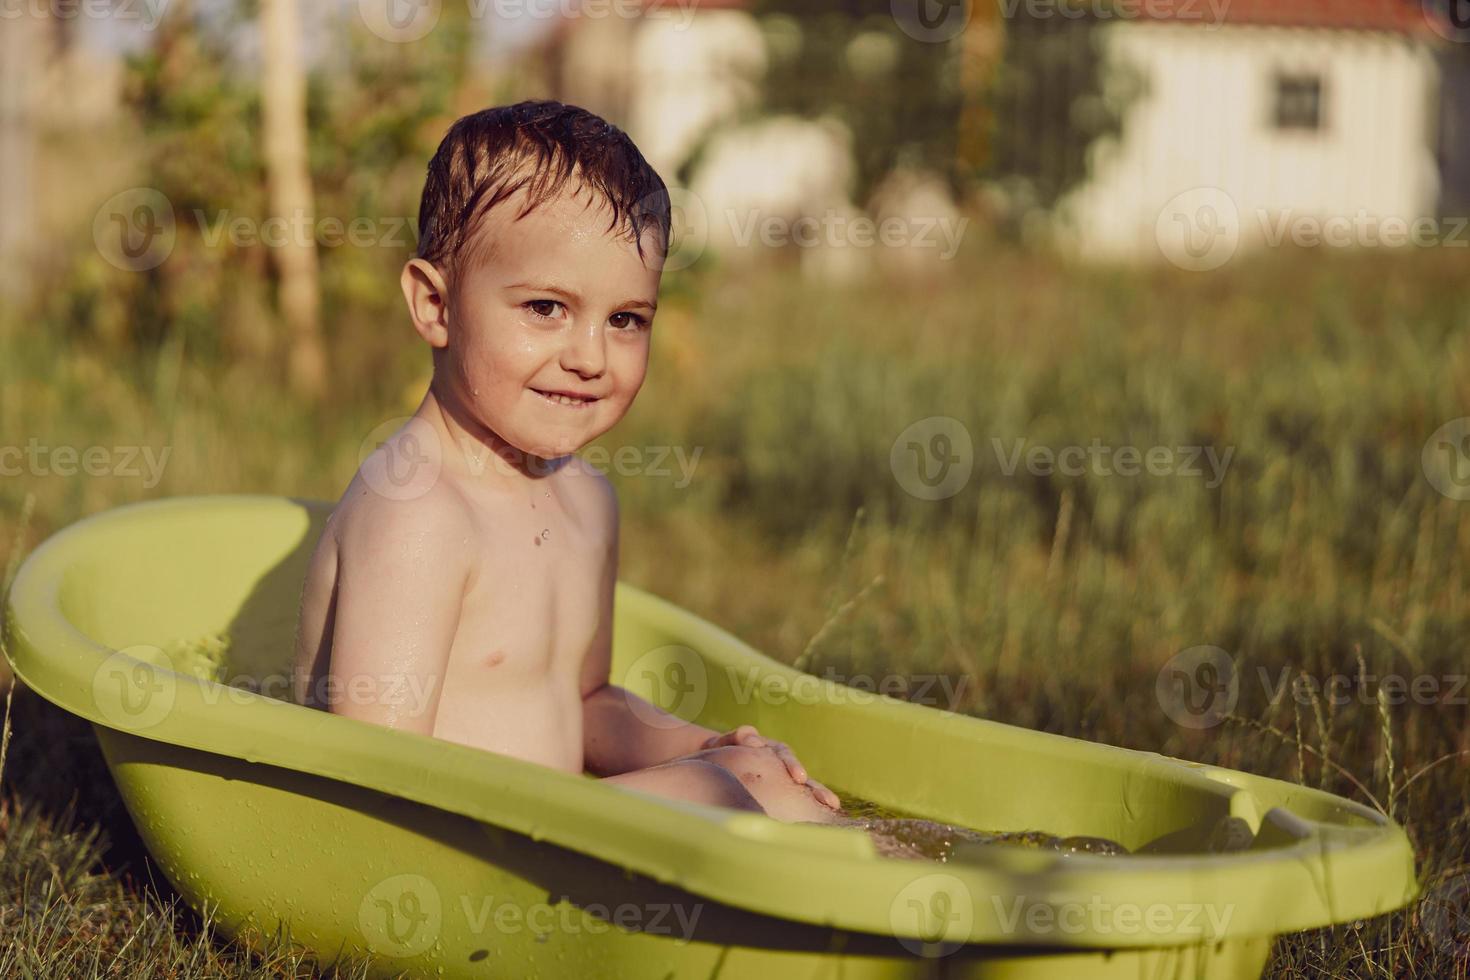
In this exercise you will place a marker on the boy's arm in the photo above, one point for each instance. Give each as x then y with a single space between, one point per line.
622 732
401 578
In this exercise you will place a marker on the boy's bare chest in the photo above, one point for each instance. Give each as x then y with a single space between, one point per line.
536 600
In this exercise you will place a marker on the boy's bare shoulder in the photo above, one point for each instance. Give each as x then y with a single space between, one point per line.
366 521
596 493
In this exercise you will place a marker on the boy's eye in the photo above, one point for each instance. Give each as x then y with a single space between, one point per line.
633 321
535 306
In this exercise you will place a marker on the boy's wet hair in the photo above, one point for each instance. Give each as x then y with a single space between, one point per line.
489 155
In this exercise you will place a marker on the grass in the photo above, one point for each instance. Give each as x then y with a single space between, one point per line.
1047 600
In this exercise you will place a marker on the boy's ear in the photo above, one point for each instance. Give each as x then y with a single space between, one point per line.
428 301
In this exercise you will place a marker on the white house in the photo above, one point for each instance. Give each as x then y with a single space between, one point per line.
1306 121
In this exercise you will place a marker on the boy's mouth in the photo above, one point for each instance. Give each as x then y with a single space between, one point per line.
565 398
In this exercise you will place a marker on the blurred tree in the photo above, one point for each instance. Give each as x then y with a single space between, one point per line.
900 97
1015 98
1054 97
20 49
288 179
372 112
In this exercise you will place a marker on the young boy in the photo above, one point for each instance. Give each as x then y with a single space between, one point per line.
472 559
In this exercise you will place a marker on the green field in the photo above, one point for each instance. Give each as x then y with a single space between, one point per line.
1040 599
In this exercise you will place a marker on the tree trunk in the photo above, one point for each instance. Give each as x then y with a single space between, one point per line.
288 176
21 42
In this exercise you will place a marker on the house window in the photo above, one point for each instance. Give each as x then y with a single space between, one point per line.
1299 102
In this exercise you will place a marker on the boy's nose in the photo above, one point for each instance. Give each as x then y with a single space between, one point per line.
583 352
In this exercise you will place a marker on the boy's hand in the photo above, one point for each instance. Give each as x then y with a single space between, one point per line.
748 736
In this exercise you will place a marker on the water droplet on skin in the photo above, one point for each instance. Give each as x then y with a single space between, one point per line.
546 534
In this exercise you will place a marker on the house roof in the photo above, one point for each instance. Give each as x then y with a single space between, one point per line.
1399 16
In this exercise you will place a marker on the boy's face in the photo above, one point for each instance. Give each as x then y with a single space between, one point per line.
558 303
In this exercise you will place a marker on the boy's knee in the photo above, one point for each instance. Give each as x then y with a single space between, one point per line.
720 787
753 767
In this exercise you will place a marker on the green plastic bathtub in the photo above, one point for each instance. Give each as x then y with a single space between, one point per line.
443 860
